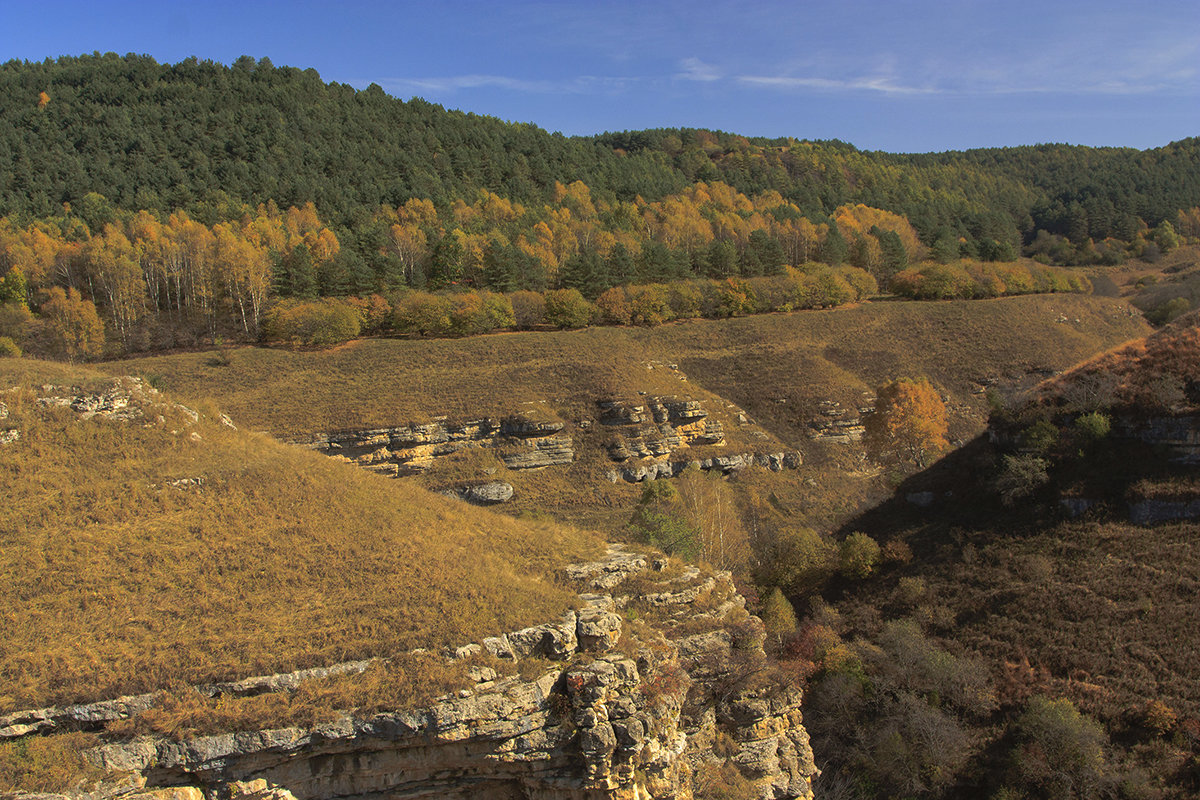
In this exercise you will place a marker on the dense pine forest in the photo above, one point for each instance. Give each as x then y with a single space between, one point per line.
182 202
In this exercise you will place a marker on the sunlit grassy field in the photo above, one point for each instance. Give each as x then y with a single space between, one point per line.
117 582
757 361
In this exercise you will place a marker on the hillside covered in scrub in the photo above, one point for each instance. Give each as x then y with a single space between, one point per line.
1032 631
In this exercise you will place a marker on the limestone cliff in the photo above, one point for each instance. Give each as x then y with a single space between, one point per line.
644 438
655 686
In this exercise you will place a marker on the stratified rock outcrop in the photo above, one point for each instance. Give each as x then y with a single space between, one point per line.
656 681
647 438
522 441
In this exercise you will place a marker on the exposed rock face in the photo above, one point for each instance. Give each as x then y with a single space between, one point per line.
1180 436
659 427
486 494
627 705
1152 512
523 442
836 425
646 435
726 465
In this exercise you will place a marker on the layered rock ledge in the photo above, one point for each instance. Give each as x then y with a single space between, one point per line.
655 682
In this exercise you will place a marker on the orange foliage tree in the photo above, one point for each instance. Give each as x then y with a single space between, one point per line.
908 423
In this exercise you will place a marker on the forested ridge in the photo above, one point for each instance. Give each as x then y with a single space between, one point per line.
189 135
185 201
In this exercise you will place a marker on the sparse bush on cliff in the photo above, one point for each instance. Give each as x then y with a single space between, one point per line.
1020 477
778 616
1092 427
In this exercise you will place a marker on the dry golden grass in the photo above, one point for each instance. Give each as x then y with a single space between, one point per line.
116 582
46 763
777 367
404 681
780 366
755 361
1148 374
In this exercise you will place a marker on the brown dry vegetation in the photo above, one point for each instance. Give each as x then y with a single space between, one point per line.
117 582
777 367
1096 612
799 358
1151 373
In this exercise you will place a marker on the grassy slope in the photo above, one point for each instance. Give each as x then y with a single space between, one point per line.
777 367
116 582
799 357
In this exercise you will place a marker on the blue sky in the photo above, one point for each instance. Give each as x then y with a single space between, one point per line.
898 75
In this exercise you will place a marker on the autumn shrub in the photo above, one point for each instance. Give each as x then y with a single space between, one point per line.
71 328
614 306
1169 310
466 314
796 559
374 312
498 309
974 279
9 348
685 299
567 308
862 282
858 555
16 321
824 287
1060 752
910 591
529 309
422 313
914 748
648 304
917 663
773 294
735 298
1159 717
313 323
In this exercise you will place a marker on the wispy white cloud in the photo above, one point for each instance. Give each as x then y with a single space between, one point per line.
883 85
696 70
582 84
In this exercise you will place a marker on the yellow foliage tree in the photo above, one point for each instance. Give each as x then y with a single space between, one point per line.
908 423
72 326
